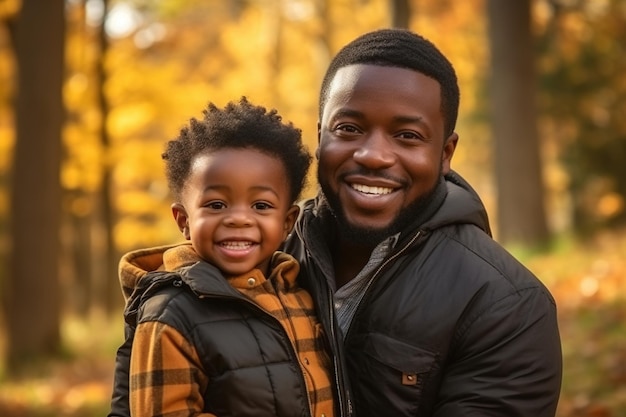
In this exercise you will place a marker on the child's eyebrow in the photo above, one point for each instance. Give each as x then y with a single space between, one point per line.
226 187
266 188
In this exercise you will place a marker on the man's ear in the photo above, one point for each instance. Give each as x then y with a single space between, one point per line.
449 146
182 220
319 131
290 220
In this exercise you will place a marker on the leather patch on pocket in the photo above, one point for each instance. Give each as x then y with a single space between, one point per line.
409 379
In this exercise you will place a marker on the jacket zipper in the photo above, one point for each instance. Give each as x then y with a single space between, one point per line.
332 311
380 268
336 365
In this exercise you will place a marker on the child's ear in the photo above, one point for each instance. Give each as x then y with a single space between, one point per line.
290 220
182 220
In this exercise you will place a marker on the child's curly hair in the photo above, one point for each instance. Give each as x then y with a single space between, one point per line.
238 125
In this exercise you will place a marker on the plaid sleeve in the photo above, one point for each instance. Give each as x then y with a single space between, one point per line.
166 378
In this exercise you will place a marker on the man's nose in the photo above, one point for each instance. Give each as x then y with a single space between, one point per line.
376 151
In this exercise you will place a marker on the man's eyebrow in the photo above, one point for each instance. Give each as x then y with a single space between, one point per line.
347 113
357 114
409 119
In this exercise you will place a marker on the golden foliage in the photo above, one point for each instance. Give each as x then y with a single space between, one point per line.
276 53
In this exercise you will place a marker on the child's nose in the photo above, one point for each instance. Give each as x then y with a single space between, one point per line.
238 217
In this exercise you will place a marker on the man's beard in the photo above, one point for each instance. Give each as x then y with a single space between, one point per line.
364 235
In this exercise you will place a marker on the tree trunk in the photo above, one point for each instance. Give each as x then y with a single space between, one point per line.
400 11
322 40
107 284
274 14
520 200
32 296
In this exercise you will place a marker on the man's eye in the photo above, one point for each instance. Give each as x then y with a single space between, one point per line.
347 128
409 135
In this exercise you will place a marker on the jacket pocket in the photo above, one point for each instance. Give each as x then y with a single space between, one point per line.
390 374
397 354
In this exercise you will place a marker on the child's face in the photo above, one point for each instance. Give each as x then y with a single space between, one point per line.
236 209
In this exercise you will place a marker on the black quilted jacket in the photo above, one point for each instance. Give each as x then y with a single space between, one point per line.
451 326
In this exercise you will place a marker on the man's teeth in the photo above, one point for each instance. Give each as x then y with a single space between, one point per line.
238 245
371 190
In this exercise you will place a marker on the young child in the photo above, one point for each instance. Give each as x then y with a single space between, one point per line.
222 327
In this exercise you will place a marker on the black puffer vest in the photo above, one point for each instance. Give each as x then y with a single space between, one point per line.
243 349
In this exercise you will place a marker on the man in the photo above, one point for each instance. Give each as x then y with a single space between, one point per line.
436 319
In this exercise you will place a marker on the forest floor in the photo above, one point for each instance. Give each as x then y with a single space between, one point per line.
588 281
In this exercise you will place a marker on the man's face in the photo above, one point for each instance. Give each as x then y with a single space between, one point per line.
381 148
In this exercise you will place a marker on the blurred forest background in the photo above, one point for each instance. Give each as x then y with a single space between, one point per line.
90 90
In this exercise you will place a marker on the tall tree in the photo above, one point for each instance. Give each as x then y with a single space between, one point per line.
400 11
32 299
107 286
520 192
583 96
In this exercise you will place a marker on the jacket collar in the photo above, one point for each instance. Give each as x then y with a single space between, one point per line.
202 277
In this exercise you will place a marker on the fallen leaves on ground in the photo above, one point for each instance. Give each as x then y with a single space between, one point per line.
587 280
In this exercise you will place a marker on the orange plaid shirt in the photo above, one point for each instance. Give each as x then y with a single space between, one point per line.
166 376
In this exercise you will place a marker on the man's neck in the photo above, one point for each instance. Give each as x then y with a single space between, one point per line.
348 260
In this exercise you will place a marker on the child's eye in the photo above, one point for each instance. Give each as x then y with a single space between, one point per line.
261 205
216 205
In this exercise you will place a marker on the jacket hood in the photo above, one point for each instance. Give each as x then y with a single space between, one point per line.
461 206
136 264
202 277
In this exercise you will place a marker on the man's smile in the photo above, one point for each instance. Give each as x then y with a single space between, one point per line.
366 189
